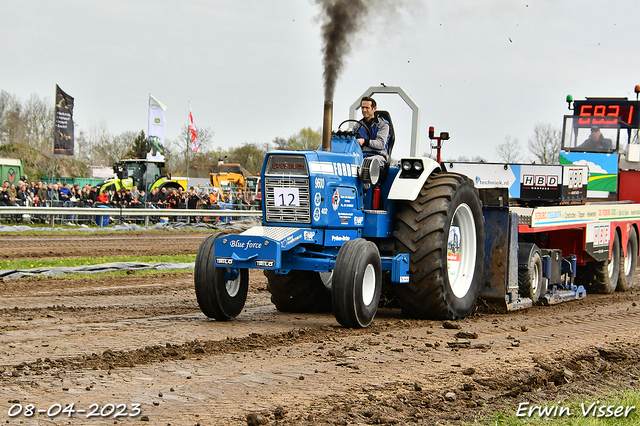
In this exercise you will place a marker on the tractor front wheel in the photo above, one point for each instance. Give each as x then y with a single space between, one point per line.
357 283
221 292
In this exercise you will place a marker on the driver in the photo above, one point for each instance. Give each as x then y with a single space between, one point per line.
596 142
374 143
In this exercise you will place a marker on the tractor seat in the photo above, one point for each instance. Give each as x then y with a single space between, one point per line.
392 139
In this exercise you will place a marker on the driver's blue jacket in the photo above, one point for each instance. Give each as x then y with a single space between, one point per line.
379 131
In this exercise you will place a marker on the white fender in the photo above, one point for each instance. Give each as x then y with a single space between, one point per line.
407 188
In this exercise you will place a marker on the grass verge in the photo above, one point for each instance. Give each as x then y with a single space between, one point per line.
575 411
78 261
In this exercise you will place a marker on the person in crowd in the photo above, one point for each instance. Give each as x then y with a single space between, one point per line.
127 197
102 198
13 192
182 198
92 197
135 191
142 197
4 197
173 199
22 196
114 197
162 198
152 199
54 195
42 193
63 193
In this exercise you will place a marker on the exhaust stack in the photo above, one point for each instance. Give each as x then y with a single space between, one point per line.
326 125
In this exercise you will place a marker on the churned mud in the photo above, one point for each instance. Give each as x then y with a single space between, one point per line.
139 349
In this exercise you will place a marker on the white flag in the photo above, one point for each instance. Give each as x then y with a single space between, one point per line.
192 132
156 129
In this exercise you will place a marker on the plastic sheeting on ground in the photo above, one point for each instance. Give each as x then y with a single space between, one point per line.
10 274
240 225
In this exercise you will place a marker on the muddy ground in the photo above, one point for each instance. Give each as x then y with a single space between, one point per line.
140 340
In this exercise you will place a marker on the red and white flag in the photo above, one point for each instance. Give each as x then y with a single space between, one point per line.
192 132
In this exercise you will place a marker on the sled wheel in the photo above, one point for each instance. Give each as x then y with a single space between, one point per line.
601 277
629 263
443 232
530 279
357 283
221 292
298 291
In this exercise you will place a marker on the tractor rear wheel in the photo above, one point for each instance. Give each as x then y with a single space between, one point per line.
601 277
298 291
357 283
443 232
221 292
629 263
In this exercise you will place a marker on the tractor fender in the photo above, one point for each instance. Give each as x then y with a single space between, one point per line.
407 184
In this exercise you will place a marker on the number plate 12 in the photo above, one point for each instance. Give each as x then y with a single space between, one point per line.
286 197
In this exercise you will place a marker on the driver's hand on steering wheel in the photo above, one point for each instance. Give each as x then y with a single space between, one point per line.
360 141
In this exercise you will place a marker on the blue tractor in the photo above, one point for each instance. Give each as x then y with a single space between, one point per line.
340 234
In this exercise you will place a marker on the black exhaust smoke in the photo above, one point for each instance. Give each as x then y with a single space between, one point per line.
341 19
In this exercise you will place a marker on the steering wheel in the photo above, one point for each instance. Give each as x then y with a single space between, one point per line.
355 121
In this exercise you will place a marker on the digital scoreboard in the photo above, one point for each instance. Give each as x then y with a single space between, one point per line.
606 112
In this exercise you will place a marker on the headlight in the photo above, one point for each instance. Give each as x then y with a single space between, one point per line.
406 165
418 166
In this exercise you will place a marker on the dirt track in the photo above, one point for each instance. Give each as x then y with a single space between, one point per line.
144 341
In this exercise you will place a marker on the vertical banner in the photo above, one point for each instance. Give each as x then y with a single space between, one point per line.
192 132
156 129
63 127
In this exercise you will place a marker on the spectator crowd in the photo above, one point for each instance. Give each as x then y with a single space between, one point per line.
61 194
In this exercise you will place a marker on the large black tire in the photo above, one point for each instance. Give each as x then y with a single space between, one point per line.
221 292
629 263
530 279
357 283
298 291
601 277
444 221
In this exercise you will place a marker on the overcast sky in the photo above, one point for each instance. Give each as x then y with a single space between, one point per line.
252 69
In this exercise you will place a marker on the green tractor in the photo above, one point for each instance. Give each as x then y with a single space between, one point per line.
143 173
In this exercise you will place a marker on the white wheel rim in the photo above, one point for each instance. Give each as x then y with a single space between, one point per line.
461 251
368 284
535 277
627 259
612 261
610 267
326 278
232 286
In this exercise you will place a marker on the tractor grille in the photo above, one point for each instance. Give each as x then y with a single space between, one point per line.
288 214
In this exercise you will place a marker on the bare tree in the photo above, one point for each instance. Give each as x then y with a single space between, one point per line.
10 108
510 151
178 152
37 119
545 143
102 148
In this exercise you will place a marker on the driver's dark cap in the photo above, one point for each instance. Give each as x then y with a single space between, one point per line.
595 128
